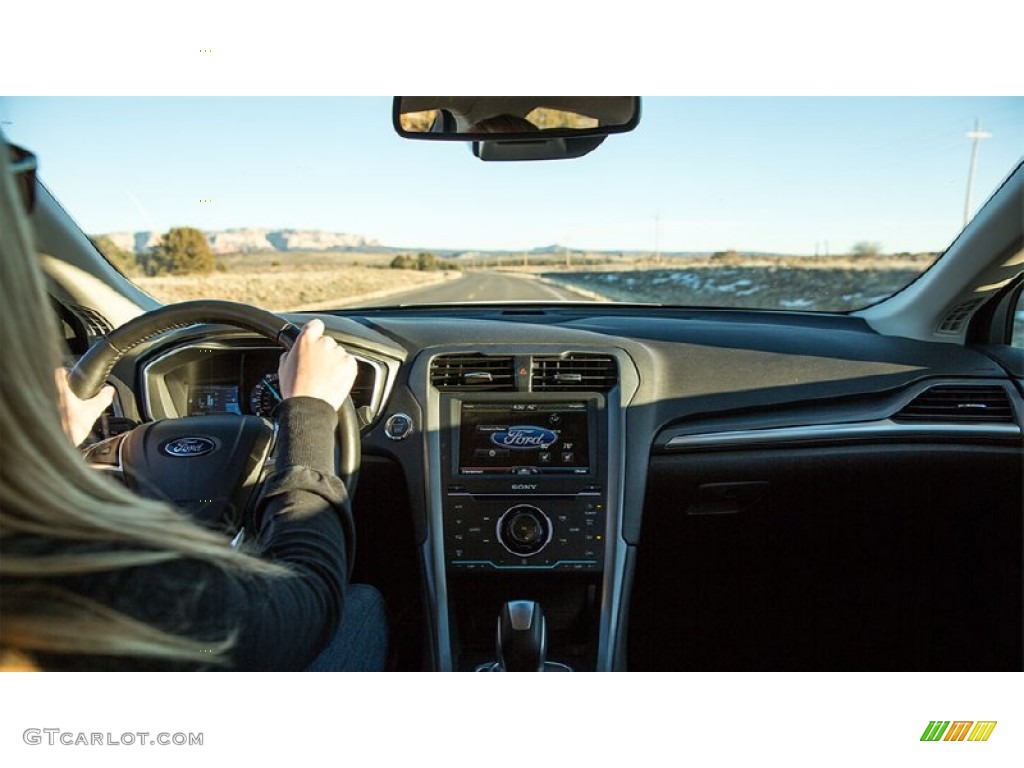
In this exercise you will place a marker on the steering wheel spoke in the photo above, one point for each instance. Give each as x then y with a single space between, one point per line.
209 466
105 456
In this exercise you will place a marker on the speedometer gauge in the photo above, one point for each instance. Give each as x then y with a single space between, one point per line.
265 395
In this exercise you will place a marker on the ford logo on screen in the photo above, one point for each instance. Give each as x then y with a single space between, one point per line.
186 447
524 438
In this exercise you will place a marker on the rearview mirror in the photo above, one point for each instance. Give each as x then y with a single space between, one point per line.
517 127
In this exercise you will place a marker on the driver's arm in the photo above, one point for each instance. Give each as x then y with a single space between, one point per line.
303 517
303 523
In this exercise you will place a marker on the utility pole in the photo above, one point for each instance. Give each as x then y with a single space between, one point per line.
657 239
975 136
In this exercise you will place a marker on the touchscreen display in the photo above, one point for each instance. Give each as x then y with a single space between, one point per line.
521 438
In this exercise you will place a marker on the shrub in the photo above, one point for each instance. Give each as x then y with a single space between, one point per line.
182 251
124 261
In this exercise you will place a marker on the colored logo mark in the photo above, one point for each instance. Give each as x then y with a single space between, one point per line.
188 446
524 438
958 730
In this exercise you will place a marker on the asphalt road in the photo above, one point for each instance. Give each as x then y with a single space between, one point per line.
481 286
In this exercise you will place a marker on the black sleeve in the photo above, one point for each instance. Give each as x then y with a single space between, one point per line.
277 622
302 518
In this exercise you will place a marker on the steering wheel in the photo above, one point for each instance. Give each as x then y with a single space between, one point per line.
210 465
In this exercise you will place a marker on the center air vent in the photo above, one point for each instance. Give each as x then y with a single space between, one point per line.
576 371
953 403
473 373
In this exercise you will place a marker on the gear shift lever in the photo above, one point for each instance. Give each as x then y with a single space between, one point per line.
522 637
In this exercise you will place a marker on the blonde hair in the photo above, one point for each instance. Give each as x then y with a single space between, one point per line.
47 490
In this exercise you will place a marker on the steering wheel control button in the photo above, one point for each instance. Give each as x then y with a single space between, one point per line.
524 530
398 426
105 453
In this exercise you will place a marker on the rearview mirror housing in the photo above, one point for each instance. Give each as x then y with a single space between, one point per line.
517 127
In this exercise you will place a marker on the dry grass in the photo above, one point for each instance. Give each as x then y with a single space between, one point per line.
281 283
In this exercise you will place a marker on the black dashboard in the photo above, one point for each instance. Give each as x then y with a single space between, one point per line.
542 448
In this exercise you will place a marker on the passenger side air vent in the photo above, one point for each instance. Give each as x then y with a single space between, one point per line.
953 403
466 373
958 316
576 371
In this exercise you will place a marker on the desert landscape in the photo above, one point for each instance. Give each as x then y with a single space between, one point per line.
817 284
324 279
293 281
312 280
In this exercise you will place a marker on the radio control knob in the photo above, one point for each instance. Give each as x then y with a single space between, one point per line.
524 530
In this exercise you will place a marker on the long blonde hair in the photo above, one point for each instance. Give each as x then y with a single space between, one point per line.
47 490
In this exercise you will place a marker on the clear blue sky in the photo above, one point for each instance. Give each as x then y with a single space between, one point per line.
748 173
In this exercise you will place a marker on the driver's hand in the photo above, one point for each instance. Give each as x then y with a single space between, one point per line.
77 415
317 366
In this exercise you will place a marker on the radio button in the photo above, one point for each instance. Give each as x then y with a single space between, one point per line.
491 453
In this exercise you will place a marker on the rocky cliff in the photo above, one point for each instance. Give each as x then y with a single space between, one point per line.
254 239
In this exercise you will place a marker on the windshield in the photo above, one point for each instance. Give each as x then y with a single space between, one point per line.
814 204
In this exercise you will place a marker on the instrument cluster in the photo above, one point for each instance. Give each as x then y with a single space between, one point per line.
220 378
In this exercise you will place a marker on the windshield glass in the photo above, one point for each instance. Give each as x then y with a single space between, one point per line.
814 204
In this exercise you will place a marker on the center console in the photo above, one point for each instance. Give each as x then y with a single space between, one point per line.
525 471
525 482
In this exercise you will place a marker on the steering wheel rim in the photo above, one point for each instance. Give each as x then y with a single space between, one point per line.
94 367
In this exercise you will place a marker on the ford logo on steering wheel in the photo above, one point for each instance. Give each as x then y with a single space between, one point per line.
187 447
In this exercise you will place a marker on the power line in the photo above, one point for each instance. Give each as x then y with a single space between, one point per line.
975 136
657 238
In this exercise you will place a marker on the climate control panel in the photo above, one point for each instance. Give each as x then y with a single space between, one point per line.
510 533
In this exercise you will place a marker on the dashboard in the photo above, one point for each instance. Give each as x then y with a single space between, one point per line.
660 479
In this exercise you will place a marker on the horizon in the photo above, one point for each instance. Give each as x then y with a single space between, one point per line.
775 175
550 249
